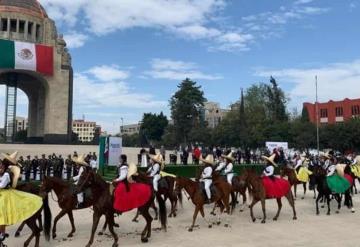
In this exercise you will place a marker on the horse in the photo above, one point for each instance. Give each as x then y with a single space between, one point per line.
31 222
198 198
103 205
67 200
257 191
293 180
324 192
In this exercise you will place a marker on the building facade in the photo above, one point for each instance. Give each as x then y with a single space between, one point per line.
214 114
334 111
85 130
21 124
130 129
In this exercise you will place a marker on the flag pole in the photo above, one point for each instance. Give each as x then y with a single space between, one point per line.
317 117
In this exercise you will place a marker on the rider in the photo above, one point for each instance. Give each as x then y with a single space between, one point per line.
15 206
122 171
81 163
270 166
229 173
155 168
206 175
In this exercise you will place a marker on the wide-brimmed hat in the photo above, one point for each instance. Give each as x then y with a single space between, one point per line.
12 158
208 160
229 156
132 170
80 160
271 159
326 155
16 172
157 158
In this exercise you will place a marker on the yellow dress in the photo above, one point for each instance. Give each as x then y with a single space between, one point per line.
303 175
17 206
356 170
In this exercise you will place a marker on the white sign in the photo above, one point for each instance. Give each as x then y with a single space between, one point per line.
271 145
115 150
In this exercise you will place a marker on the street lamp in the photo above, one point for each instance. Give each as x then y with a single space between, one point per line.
122 125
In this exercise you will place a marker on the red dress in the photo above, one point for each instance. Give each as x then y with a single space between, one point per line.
275 188
138 196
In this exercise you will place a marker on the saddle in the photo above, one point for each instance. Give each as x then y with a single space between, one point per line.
87 193
213 190
163 184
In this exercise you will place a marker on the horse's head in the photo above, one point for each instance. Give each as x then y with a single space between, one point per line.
179 184
86 180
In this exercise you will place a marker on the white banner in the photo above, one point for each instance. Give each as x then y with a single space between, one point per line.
271 145
115 150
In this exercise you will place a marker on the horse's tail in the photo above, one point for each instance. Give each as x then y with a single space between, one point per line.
162 211
180 197
233 201
47 218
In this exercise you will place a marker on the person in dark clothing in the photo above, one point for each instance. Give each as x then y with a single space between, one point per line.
185 156
61 166
48 166
34 166
42 166
218 152
68 167
152 150
27 168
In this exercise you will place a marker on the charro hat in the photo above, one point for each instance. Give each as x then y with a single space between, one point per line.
16 172
11 157
208 160
132 170
271 159
229 156
157 158
80 160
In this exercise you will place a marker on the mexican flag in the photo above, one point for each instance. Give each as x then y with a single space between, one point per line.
26 56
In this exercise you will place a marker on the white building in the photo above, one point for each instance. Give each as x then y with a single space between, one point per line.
85 130
21 123
214 114
130 129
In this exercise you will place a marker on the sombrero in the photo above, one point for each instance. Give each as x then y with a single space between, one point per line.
158 159
270 159
229 156
132 170
11 157
357 159
16 172
80 160
208 160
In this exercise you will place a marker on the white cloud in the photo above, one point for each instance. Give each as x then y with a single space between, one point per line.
177 70
335 81
109 73
75 40
303 1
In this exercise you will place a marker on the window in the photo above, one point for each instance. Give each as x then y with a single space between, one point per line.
13 24
22 27
4 24
323 113
339 111
355 110
37 31
30 27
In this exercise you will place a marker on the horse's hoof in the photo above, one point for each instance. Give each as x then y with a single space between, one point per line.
254 220
190 230
275 219
328 213
54 236
218 223
263 222
116 225
212 213
70 235
210 226
295 218
136 221
317 213
352 210
144 240
226 225
302 198
115 245
17 234
100 233
337 211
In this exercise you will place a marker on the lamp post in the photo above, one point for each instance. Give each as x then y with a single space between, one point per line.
122 126
317 117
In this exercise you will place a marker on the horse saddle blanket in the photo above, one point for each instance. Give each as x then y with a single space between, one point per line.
275 187
87 192
163 184
137 196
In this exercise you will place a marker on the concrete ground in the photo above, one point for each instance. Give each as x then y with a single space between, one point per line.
309 230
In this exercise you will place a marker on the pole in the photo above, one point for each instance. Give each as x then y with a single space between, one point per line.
317 117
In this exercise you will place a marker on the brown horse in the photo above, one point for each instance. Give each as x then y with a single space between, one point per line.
67 200
293 180
31 222
103 205
239 187
258 193
196 193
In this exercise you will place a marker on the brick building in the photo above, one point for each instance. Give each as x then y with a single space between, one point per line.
334 111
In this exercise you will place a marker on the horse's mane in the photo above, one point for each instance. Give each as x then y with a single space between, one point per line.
99 180
58 181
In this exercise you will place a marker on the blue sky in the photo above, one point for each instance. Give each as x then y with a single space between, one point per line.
129 56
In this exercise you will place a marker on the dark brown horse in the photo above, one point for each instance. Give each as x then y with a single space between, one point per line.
293 180
258 193
31 222
67 200
103 205
196 193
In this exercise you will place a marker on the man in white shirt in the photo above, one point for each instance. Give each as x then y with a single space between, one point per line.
154 169
80 161
206 176
228 171
93 163
270 166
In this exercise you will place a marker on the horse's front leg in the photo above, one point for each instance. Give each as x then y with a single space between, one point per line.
264 210
96 218
18 231
197 208
251 209
304 185
73 229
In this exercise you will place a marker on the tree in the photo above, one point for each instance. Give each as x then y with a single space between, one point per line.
276 102
186 106
242 129
305 115
153 126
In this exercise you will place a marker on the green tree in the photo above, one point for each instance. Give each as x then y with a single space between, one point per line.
276 102
186 106
305 115
153 126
